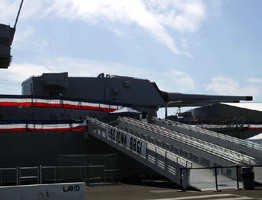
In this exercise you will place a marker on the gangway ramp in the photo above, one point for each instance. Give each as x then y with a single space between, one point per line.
199 152
232 143
160 160
243 146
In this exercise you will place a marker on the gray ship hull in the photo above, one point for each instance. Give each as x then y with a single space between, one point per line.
41 147
31 149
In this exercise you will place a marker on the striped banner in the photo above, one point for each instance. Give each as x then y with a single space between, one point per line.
53 103
13 127
21 101
42 126
15 102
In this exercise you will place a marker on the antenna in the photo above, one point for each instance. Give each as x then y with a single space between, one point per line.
18 13
13 29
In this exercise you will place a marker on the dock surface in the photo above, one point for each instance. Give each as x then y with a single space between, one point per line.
134 192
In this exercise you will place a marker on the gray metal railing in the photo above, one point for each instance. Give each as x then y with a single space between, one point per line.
202 145
19 176
184 162
36 176
8 169
238 141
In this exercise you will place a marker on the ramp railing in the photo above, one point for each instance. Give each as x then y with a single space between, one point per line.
238 141
242 146
216 150
160 160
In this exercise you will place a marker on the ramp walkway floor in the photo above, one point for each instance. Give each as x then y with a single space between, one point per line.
204 179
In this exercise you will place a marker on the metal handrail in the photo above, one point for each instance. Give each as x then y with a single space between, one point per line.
199 144
238 141
178 159
37 176
40 174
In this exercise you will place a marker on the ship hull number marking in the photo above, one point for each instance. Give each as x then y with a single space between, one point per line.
131 142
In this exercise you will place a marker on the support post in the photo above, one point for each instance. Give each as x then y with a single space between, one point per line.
217 190
55 173
17 175
181 179
1 176
237 171
40 174
104 173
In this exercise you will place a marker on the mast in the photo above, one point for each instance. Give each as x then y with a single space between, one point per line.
13 33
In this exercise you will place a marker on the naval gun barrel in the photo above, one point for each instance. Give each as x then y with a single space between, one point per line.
174 99
180 100
201 97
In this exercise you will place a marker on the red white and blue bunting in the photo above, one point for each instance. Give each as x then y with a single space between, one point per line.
42 125
23 101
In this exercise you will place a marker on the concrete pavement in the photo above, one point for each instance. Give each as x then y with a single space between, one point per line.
157 191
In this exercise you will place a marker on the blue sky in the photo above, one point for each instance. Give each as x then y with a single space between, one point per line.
188 46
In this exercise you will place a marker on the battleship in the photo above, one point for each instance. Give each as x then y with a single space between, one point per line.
46 120
57 115
52 121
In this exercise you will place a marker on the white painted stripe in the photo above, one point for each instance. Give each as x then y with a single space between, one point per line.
200 197
163 191
235 198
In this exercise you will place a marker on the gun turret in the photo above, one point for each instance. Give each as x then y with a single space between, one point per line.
140 93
